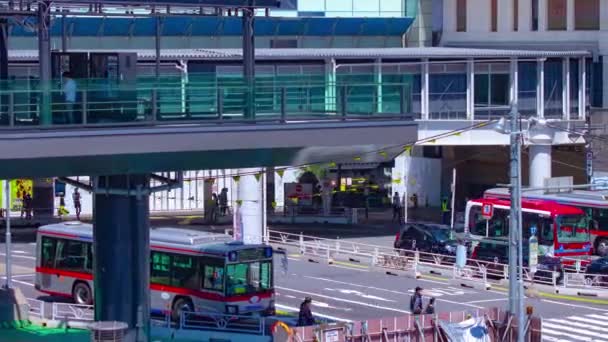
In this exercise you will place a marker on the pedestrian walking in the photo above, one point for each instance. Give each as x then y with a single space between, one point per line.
305 317
77 205
69 96
445 211
416 301
396 207
223 201
28 204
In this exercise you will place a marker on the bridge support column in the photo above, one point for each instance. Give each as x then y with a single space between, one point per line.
121 244
250 209
540 164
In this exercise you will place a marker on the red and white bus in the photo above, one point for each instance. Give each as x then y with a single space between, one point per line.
189 270
593 203
561 230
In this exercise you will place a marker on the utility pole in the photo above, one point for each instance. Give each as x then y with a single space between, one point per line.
516 298
249 60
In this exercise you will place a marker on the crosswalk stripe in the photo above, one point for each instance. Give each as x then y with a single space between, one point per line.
559 333
603 321
574 330
553 339
576 324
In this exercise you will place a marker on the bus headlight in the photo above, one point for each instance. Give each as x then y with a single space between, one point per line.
232 309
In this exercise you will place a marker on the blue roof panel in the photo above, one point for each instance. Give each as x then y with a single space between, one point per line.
229 26
117 27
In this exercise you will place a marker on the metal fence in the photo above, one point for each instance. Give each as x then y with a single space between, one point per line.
475 273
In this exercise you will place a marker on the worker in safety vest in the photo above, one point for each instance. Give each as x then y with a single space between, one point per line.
445 211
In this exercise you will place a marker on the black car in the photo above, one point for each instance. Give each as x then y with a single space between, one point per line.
426 237
494 253
597 271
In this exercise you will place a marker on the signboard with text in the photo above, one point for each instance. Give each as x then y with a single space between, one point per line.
487 211
298 193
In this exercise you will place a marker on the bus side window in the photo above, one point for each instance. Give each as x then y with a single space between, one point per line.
48 252
184 271
213 278
159 268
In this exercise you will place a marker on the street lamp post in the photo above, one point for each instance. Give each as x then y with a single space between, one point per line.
7 242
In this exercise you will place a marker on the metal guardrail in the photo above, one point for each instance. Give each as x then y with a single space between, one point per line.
73 312
476 273
221 322
35 307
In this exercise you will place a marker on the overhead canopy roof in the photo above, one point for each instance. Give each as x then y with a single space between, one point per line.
224 26
320 54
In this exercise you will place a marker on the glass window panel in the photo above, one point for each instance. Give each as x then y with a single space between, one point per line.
214 278
534 16
185 271
493 15
48 252
311 5
557 14
499 90
587 14
515 15
461 15
160 268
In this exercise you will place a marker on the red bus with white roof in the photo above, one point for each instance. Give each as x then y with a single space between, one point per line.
189 270
562 230
593 202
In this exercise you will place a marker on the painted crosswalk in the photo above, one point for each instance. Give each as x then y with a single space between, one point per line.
587 328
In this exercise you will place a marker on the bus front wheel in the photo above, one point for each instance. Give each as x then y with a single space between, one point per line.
81 293
601 247
181 305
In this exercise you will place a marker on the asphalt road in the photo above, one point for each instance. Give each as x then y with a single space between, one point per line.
351 292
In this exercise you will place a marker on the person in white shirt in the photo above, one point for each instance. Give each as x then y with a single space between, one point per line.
69 96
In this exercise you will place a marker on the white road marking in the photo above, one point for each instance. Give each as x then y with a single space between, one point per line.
291 308
22 282
591 318
575 324
486 300
20 252
360 294
20 256
570 328
344 300
350 268
391 291
574 305
21 276
559 333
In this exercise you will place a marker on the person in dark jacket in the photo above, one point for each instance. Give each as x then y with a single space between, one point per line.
416 301
430 308
305 317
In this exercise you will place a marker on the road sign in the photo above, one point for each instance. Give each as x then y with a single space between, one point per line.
487 211
533 258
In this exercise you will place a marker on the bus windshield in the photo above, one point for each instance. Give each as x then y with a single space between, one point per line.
572 228
248 277
497 226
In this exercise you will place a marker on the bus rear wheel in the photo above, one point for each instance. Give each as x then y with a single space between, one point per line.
81 293
181 305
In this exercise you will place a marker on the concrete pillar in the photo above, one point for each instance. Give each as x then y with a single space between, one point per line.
525 16
207 196
540 164
378 83
566 88
582 89
44 63
540 88
121 245
514 79
43 199
570 15
603 15
470 89
424 93
542 15
330 86
249 212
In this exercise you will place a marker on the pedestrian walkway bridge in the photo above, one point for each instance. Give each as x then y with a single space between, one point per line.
153 125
